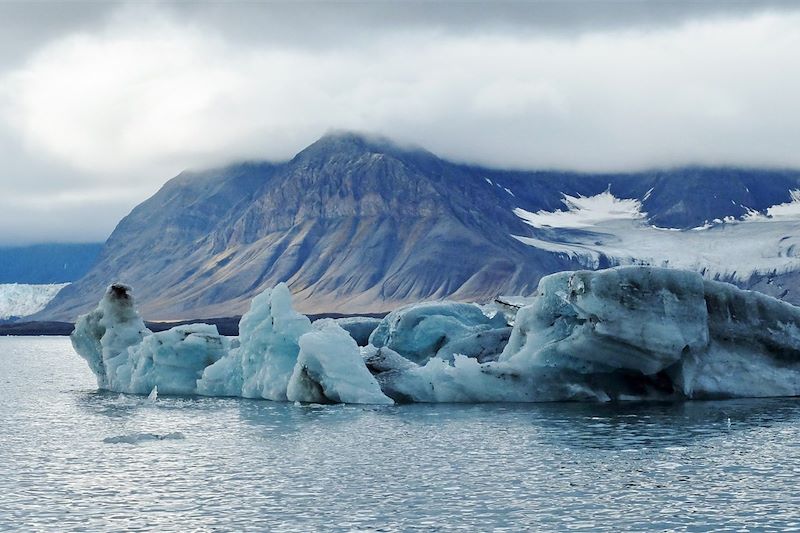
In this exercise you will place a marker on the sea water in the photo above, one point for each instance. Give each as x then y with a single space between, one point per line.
76 459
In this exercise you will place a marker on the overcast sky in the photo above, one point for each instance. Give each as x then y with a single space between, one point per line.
100 103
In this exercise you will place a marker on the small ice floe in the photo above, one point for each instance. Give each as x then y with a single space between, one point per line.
153 396
135 438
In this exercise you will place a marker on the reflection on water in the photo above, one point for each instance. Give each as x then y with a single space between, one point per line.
76 459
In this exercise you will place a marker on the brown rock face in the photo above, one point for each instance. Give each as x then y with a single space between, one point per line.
356 224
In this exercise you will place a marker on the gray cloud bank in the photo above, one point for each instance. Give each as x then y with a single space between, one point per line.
101 103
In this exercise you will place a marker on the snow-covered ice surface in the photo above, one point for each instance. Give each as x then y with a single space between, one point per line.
626 333
585 211
21 300
603 230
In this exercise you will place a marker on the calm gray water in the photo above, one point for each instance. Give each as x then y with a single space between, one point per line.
73 459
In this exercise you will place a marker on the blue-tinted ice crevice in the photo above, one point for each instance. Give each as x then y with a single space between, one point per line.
617 334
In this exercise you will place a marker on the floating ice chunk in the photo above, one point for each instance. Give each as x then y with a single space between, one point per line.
754 347
623 333
269 335
641 319
223 378
171 362
483 345
126 357
641 331
467 380
136 438
384 359
359 327
617 334
330 368
419 332
103 336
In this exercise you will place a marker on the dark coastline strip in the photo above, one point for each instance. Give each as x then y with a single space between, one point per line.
226 325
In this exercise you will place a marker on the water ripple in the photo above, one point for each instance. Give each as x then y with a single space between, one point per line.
217 464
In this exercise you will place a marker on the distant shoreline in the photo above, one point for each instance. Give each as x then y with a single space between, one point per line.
225 325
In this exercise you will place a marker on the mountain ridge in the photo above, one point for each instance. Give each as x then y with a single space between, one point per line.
360 224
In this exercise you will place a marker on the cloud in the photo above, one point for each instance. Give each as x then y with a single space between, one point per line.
153 91
314 24
82 216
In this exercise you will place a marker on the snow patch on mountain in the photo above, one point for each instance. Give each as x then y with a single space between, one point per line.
603 230
20 299
585 211
789 210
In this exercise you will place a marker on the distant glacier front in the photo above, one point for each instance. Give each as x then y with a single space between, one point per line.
625 333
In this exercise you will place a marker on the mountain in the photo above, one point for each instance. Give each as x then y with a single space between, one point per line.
47 263
359 224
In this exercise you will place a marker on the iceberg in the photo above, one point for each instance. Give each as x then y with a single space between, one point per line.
125 356
428 330
269 343
170 362
638 319
359 327
330 369
621 334
136 438
624 333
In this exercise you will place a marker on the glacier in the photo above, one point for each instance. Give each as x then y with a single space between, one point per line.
603 230
19 300
623 333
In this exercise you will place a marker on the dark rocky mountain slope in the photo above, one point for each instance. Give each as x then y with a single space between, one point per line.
359 224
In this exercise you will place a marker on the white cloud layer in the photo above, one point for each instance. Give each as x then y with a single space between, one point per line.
145 95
